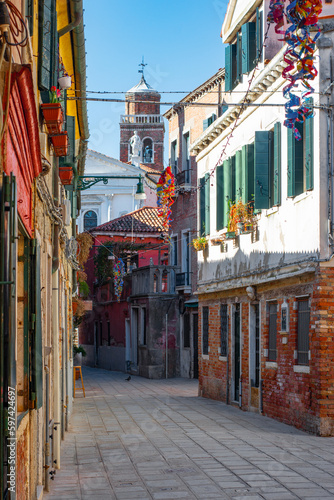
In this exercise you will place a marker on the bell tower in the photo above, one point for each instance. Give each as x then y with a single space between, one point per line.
143 116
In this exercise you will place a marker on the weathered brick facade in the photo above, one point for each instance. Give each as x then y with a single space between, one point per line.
300 395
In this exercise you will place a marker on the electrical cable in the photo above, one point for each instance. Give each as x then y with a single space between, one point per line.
17 26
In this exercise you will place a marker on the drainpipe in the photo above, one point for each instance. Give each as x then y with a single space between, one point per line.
47 438
72 25
227 370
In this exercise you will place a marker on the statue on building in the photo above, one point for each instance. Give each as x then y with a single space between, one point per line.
136 144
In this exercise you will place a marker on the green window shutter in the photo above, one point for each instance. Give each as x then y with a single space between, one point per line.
309 139
220 197
248 32
205 124
239 57
207 203
230 67
259 33
261 167
277 164
36 347
238 176
248 173
295 163
45 45
229 185
224 108
70 127
202 206
29 7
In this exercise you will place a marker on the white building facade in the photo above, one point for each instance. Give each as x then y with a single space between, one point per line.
265 295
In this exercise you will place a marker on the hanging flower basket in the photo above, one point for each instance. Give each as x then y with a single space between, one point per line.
60 144
53 117
66 174
199 243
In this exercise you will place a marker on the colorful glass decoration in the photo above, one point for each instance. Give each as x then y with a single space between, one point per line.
301 16
119 271
165 193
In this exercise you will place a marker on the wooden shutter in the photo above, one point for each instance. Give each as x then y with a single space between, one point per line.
239 57
205 124
207 203
277 164
308 150
202 207
303 334
229 185
48 45
36 314
230 67
247 172
220 197
295 163
262 168
223 329
239 188
224 108
70 127
29 8
248 32
272 351
259 33
205 330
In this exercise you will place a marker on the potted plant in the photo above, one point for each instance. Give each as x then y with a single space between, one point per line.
78 353
200 243
53 112
231 224
60 144
66 174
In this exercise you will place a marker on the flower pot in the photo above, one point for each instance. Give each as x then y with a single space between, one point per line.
230 235
65 82
60 144
74 307
65 174
53 117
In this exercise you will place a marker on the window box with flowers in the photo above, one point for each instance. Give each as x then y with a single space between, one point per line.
53 112
60 144
66 174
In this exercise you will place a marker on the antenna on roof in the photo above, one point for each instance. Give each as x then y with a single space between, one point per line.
142 64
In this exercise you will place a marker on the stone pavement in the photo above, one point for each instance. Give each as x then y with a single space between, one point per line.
155 439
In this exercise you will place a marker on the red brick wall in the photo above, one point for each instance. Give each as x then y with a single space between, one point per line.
143 108
305 400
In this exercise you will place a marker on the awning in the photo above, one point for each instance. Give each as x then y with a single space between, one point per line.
191 303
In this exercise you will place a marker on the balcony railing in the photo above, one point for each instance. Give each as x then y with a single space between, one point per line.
141 119
182 279
183 177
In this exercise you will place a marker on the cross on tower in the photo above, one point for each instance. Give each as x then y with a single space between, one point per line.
142 64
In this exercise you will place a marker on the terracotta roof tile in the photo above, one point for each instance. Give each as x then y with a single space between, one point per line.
143 220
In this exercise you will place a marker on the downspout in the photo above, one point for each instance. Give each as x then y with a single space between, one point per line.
227 367
71 26
47 438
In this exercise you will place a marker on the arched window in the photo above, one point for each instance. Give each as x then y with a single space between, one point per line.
155 283
164 284
90 220
148 151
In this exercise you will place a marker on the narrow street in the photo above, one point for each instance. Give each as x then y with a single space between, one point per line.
155 439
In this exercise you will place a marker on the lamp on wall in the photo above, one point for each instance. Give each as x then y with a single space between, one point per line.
140 193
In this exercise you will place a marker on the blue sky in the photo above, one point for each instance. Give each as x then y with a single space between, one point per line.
179 39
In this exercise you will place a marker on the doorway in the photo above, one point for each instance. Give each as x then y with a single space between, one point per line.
254 354
236 360
195 343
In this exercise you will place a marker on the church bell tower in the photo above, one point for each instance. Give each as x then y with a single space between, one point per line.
143 116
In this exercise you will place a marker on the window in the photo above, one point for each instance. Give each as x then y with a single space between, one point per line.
209 121
148 151
230 67
186 157
186 330
272 352
174 256
108 330
223 329
30 15
204 202
300 158
173 157
48 48
248 42
303 332
164 283
90 220
205 330
267 168
155 283
186 257
143 326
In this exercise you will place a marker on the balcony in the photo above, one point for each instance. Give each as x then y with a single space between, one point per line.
154 280
182 279
141 119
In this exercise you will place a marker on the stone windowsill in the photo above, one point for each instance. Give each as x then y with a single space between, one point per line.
271 364
205 356
301 369
222 358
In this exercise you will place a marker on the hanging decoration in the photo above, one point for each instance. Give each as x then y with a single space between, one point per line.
302 16
165 193
119 271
